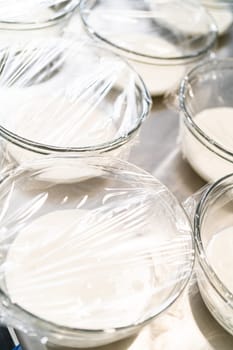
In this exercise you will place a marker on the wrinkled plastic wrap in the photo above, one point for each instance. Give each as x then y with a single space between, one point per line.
64 96
34 11
25 19
160 38
87 263
187 324
190 204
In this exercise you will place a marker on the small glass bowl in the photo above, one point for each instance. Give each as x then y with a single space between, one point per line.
142 242
23 20
207 86
161 39
222 13
214 214
69 97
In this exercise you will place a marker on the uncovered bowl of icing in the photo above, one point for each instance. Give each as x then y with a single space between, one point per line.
206 108
25 19
68 97
159 38
213 229
222 13
88 263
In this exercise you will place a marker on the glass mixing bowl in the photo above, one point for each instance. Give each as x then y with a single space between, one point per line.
88 263
206 116
222 13
213 217
68 97
161 39
23 20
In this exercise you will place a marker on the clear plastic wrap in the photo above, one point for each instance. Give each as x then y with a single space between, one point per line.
87 263
25 19
37 11
190 204
68 97
160 38
210 211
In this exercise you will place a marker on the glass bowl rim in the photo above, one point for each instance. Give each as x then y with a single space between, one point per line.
188 118
33 25
41 148
209 272
53 327
140 57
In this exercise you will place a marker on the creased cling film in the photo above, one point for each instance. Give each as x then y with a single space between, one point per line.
68 97
34 11
105 253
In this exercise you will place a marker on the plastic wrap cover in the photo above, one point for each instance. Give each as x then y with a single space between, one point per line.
59 95
34 13
87 263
